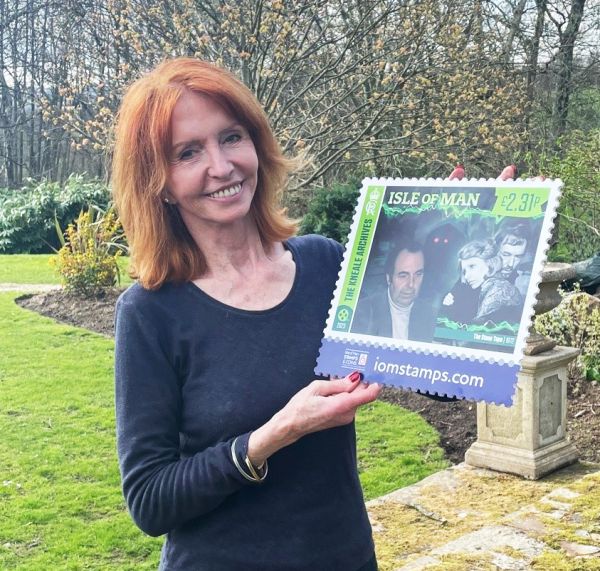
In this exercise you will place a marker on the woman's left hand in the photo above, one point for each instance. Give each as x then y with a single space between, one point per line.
318 406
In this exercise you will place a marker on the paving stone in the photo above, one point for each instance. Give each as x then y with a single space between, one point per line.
519 532
558 505
583 533
529 524
579 550
419 564
576 517
564 493
375 525
492 538
560 508
445 480
506 563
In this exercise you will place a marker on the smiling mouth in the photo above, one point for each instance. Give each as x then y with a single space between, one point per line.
231 191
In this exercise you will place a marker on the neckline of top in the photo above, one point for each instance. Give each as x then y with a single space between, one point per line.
288 245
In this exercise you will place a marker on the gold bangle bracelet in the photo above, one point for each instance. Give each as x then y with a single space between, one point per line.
251 468
254 475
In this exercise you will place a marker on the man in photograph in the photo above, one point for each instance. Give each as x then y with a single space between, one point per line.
513 241
398 312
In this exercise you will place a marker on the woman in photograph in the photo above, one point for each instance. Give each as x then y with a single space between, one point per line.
226 442
481 294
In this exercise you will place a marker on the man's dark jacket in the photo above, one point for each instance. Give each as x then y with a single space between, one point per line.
373 317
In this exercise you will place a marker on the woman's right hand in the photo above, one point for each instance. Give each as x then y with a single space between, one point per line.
448 300
318 406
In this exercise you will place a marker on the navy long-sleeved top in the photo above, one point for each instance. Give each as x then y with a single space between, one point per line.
192 374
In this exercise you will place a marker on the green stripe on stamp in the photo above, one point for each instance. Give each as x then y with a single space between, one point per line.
361 246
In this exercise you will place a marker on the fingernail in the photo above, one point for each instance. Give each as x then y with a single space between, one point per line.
356 376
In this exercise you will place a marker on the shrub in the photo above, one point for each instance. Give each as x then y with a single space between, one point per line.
576 323
27 215
578 165
330 212
88 260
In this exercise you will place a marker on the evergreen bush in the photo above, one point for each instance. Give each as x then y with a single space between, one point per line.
28 214
578 165
330 211
576 323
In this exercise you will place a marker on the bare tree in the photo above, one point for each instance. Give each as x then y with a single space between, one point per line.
567 27
358 87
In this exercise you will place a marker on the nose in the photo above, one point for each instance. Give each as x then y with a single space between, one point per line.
411 282
219 164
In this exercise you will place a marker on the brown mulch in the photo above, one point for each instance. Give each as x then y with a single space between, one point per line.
455 421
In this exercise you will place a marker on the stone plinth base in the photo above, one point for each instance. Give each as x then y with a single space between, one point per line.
528 438
531 464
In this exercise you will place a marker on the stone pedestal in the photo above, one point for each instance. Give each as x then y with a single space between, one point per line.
528 438
548 298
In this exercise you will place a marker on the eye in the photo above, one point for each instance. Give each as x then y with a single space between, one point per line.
188 154
232 138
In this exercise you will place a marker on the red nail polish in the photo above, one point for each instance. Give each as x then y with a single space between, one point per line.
356 376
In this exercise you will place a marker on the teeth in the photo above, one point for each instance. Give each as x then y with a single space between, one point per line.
227 192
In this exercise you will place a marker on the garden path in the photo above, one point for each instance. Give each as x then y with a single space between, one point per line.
28 288
468 519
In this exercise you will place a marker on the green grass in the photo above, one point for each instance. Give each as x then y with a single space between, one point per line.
60 501
36 269
396 448
27 269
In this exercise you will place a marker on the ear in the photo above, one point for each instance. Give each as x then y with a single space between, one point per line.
388 280
167 198
494 266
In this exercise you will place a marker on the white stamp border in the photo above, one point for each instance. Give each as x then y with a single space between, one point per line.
503 358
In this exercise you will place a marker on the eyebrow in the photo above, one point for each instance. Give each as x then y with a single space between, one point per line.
195 141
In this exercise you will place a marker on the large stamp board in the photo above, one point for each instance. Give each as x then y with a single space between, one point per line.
438 283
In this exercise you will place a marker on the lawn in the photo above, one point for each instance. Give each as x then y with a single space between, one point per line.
36 269
60 500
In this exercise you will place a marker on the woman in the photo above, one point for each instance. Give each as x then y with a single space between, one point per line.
481 294
224 442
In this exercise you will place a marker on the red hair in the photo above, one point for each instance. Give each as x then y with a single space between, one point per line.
161 248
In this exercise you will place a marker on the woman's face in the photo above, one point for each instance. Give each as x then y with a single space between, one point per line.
474 271
213 164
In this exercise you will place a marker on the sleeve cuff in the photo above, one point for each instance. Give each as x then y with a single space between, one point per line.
239 457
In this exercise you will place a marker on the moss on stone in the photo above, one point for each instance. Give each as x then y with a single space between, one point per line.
464 562
440 515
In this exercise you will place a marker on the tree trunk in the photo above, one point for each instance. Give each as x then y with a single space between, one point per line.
515 25
565 67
